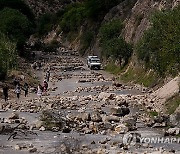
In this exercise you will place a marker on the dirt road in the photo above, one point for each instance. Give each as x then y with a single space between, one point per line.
83 111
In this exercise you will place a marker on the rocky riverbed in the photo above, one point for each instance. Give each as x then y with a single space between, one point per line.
85 111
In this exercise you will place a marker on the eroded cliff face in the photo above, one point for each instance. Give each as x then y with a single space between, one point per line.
138 21
136 17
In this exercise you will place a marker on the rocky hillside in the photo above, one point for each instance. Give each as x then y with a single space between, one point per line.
136 15
40 7
114 30
138 21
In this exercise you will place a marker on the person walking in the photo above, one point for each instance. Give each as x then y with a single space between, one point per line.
5 92
47 76
39 90
18 91
45 86
15 82
26 87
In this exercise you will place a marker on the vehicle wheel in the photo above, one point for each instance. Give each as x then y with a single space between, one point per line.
91 68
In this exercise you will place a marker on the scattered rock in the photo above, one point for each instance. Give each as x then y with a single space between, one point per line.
14 115
121 129
32 150
104 96
17 147
42 128
173 131
95 116
120 111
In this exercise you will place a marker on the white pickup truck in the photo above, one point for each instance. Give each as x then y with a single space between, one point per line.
93 62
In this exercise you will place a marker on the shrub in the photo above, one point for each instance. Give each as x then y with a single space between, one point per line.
7 55
73 18
98 8
15 25
110 30
159 48
113 45
17 5
86 40
46 23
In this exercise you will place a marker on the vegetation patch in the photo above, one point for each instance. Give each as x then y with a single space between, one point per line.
73 17
140 76
86 40
112 68
160 46
153 113
173 103
8 55
45 23
16 25
18 5
113 45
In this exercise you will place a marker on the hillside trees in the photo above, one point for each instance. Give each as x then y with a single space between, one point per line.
18 5
160 46
113 45
15 25
8 55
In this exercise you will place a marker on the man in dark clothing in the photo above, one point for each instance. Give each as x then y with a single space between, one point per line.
47 76
15 82
5 92
26 87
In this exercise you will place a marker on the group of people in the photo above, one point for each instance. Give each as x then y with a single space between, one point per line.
17 90
18 87
43 89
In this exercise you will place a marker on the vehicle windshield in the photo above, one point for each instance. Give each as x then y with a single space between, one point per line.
95 60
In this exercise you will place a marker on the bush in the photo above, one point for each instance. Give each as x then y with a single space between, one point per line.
18 5
113 45
7 55
110 30
96 9
46 23
86 40
159 48
73 18
15 25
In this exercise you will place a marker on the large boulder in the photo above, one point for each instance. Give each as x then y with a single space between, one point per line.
121 129
14 115
111 118
120 111
105 96
130 122
173 131
161 121
96 116
175 117
83 117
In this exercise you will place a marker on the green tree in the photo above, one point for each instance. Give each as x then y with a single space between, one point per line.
15 25
160 45
8 55
98 8
73 18
113 45
18 5
46 23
